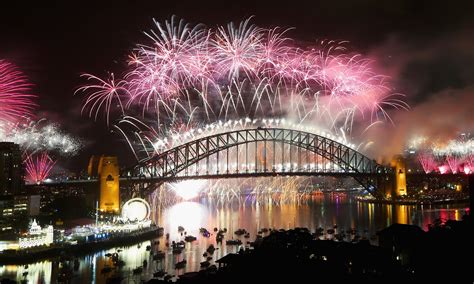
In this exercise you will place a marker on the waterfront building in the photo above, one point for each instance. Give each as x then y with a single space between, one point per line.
35 237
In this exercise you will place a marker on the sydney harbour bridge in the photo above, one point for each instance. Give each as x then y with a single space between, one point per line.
242 153
259 152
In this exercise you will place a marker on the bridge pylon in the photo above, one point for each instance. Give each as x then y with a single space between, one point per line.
108 174
400 179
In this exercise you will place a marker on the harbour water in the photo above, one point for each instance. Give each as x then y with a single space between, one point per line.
322 210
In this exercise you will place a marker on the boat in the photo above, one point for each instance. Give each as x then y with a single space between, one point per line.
211 249
190 238
138 270
177 250
233 242
204 232
240 232
159 255
180 264
159 273
205 264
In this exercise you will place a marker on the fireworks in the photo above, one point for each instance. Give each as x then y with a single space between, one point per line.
455 155
17 125
38 168
152 143
40 136
189 76
190 81
274 190
16 101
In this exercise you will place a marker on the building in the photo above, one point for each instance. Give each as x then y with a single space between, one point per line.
15 210
6 214
36 236
11 168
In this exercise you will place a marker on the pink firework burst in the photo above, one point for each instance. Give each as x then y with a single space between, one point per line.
102 94
175 60
238 49
428 162
38 168
16 100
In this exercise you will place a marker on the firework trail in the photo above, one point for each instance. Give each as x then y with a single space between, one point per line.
428 162
16 100
38 168
189 81
188 76
17 125
41 136
455 155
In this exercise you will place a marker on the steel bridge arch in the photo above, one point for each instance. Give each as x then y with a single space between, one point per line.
170 164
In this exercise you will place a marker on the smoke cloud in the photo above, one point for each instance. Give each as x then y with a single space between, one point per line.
437 77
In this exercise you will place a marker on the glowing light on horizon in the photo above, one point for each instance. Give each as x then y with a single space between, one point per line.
188 189
136 209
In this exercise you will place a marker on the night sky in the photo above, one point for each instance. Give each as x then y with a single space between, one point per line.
427 47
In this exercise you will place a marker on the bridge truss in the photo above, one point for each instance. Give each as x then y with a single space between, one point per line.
259 152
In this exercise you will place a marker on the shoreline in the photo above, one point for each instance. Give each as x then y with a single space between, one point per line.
34 255
411 202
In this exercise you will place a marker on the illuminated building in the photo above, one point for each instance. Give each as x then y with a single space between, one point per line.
11 170
108 172
6 213
14 209
36 236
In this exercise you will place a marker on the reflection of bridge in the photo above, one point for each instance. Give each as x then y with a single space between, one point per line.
259 152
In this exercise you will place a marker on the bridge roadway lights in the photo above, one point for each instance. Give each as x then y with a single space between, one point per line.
327 153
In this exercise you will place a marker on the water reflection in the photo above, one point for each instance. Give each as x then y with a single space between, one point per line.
318 211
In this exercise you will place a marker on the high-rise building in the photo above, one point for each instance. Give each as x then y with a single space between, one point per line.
11 168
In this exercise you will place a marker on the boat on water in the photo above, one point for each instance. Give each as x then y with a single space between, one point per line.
233 242
180 264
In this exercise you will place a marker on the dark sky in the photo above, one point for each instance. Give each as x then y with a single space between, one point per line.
426 46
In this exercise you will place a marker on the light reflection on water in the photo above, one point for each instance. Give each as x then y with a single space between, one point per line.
320 211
